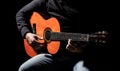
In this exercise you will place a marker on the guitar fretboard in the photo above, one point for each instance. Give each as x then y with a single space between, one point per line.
58 36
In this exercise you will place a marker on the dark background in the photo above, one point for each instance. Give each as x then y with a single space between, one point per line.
98 11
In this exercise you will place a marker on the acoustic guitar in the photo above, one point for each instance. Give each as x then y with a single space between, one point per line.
49 29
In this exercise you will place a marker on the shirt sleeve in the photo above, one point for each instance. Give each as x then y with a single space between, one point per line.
23 15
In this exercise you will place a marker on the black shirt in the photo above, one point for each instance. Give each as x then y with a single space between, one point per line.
68 13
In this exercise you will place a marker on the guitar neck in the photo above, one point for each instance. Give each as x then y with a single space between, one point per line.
61 36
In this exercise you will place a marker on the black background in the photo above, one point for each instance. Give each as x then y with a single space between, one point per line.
101 12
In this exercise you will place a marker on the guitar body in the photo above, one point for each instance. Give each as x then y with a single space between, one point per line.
42 25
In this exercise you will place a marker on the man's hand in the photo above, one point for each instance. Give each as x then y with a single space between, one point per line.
32 40
73 47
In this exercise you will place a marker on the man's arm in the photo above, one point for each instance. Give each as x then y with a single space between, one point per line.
23 15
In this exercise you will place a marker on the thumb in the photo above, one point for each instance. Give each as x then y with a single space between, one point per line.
38 37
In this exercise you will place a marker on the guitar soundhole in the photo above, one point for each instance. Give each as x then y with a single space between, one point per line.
47 34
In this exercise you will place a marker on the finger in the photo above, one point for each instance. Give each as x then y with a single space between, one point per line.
68 44
35 43
69 41
38 37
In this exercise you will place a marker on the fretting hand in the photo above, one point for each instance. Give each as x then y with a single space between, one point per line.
73 46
